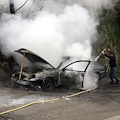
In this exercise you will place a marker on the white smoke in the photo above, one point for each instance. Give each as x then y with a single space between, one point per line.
49 35
61 28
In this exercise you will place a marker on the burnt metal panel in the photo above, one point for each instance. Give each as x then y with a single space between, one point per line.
32 57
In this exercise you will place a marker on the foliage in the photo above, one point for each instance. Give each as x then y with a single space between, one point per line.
109 32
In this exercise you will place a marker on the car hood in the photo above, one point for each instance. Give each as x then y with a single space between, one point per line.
32 57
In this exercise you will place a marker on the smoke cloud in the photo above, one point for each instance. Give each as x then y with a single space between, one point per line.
61 28
49 35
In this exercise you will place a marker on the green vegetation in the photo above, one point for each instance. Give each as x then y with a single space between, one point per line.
109 33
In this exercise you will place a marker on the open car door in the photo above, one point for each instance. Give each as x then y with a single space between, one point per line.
76 70
78 66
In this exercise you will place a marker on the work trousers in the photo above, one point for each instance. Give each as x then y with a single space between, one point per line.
112 74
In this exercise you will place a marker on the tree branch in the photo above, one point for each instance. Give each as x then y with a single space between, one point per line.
35 11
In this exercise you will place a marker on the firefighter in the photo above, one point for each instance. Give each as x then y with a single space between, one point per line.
112 65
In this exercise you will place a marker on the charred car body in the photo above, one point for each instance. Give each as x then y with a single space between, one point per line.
44 76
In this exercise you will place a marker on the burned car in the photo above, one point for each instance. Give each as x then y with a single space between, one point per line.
42 75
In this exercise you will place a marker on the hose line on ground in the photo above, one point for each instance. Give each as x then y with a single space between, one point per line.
15 109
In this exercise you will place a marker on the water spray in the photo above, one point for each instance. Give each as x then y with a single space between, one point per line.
96 59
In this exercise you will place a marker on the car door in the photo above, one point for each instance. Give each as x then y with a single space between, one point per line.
74 71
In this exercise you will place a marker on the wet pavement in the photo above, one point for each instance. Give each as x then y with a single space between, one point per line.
102 103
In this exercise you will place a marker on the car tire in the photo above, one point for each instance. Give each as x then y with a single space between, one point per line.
47 84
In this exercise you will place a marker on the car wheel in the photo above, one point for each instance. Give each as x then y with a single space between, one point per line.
47 84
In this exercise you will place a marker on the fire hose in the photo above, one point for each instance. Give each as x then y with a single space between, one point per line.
51 100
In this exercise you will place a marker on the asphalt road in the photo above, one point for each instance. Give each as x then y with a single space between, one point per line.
102 103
